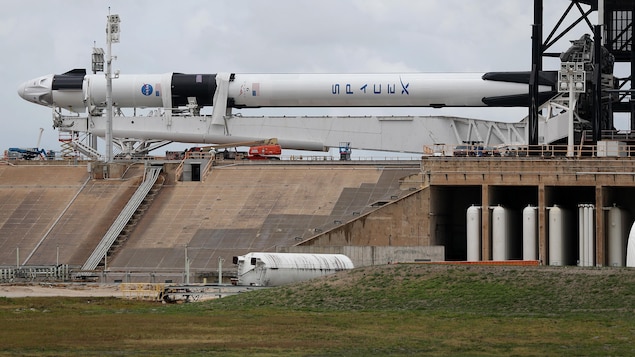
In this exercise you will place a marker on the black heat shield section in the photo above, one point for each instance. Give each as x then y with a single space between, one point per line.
545 78
201 86
71 80
517 100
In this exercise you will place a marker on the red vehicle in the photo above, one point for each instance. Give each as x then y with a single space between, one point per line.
264 152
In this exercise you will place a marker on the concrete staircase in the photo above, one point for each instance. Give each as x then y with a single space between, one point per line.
117 234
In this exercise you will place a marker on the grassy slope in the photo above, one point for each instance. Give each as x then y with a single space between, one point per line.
484 290
387 310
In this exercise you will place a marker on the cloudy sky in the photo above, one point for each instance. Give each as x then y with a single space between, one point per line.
277 36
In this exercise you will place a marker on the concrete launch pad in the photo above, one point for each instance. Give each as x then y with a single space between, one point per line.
57 215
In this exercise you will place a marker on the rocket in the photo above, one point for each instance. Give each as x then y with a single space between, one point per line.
78 92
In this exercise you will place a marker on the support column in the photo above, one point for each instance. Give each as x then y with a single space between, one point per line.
596 124
600 241
632 101
536 68
486 247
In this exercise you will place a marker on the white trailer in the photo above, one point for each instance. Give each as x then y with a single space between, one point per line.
274 269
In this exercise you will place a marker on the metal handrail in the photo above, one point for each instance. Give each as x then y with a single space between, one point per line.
118 225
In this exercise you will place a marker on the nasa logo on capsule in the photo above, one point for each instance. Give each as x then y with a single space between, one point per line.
146 89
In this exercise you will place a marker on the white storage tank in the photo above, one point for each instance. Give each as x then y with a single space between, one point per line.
530 233
559 234
274 269
474 233
586 235
630 248
501 226
617 231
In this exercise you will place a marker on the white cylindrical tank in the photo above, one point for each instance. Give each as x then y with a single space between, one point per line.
630 248
586 234
530 233
590 238
474 233
274 269
501 247
617 231
558 236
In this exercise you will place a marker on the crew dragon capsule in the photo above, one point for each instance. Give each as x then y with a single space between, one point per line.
76 91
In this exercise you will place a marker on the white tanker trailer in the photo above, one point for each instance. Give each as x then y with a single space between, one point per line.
274 269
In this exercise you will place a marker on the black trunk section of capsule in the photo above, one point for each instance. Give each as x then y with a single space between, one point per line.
71 80
199 86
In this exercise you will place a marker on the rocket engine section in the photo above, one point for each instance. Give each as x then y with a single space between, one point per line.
274 269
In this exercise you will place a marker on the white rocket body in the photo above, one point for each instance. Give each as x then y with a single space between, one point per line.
77 91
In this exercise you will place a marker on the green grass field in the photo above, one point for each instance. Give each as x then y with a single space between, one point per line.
398 310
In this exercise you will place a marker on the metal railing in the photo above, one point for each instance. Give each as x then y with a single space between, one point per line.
131 207
35 273
609 148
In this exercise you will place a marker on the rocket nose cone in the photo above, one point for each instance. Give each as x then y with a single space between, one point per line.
37 90
22 90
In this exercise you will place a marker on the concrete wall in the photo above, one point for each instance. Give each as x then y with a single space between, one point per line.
375 255
401 223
